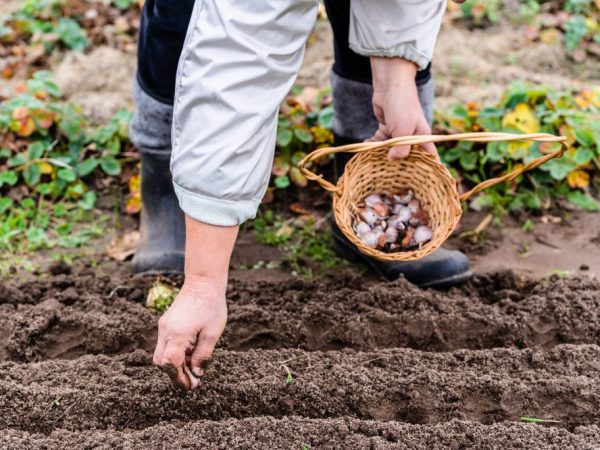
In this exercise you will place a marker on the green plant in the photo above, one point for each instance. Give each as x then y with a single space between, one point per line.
48 158
525 109
304 121
537 420
575 22
41 27
303 240
481 10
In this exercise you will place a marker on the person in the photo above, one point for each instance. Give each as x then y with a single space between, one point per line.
211 76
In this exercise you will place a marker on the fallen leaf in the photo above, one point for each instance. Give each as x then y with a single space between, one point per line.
123 246
161 295
578 179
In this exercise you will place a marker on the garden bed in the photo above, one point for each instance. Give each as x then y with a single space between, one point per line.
314 363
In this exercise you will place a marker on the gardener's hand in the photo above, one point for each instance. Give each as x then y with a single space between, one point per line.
191 327
396 104
189 331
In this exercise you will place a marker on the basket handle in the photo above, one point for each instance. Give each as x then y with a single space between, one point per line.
424 139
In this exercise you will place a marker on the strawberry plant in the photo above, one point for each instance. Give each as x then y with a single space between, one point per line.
41 27
575 23
305 118
49 160
524 109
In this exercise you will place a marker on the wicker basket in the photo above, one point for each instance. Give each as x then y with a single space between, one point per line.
370 171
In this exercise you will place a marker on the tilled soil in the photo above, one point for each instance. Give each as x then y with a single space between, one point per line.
339 363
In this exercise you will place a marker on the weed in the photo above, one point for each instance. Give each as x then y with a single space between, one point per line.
537 420
303 240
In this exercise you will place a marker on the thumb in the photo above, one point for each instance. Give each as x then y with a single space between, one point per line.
202 353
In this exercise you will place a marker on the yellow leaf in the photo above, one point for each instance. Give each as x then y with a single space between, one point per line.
26 127
46 168
522 118
134 205
578 179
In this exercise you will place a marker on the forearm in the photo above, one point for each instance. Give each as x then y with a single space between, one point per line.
208 251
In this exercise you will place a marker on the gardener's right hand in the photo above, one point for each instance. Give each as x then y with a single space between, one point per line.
189 331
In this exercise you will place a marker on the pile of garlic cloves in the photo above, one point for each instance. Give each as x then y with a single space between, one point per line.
392 222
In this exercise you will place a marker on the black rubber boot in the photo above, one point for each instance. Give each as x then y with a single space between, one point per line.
442 269
162 241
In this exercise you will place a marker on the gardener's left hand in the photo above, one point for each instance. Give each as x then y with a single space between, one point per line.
396 104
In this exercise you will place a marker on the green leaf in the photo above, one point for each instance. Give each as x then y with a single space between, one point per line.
17 160
9 177
88 201
537 420
110 166
282 182
284 137
32 174
303 135
5 204
585 137
69 31
36 237
35 150
44 188
495 151
468 160
583 200
86 167
67 175
326 116
583 155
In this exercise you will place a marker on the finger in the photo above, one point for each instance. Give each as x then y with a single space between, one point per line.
203 353
424 129
173 364
398 152
159 350
380 135
430 147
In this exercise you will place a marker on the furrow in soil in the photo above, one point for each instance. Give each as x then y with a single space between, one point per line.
402 385
70 316
323 434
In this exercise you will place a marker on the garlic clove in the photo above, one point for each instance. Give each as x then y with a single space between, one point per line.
414 205
381 209
369 239
391 234
362 228
369 216
423 234
372 199
405 214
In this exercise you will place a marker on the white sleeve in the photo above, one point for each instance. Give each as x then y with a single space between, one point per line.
396 28
239 60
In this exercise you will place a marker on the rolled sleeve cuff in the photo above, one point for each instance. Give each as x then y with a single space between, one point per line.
218 212
406 51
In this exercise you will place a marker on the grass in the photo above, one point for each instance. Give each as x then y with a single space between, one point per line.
304 240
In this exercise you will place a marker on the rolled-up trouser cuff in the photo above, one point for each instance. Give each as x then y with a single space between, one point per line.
213 211
353 106
150 129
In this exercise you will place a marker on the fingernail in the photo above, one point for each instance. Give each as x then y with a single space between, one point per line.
197 371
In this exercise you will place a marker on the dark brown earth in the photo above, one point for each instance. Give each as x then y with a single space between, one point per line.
345 362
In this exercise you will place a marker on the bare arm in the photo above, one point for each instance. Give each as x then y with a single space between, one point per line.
190 329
